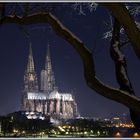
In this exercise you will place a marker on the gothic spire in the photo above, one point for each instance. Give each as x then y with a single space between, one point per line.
30 64
48 63
30 77
47 75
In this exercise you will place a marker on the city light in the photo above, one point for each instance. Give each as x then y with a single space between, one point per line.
67 132
15 130
136 134
85 132
118 134
80 127
23 132
98 133
61 129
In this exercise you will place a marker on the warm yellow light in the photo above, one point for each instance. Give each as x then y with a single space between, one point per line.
69 126
118 134
136 134
116 125
61 129
64 126
15 130
67 132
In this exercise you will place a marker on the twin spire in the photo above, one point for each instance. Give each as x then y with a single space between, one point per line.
30 64
47 76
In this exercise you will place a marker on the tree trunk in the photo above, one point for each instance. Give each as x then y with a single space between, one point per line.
121 70
120 12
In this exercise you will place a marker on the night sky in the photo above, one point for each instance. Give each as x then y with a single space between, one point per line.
67 66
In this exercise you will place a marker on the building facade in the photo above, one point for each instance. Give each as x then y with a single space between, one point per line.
47 99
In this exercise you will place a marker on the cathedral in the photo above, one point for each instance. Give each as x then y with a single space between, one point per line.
46 97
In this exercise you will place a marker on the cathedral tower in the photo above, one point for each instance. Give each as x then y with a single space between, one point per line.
47 75
30 77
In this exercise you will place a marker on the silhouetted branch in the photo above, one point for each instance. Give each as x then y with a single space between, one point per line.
119 60
120 12
121 70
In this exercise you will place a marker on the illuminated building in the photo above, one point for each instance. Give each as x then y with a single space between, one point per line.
47 100
116 122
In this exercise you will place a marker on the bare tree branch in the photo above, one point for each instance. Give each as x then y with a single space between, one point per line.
121 70
120 60
119 11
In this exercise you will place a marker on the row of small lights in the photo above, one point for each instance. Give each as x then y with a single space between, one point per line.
67 131
118 134
125 125
98 133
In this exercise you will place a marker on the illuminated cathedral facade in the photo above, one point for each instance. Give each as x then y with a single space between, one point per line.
47 98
